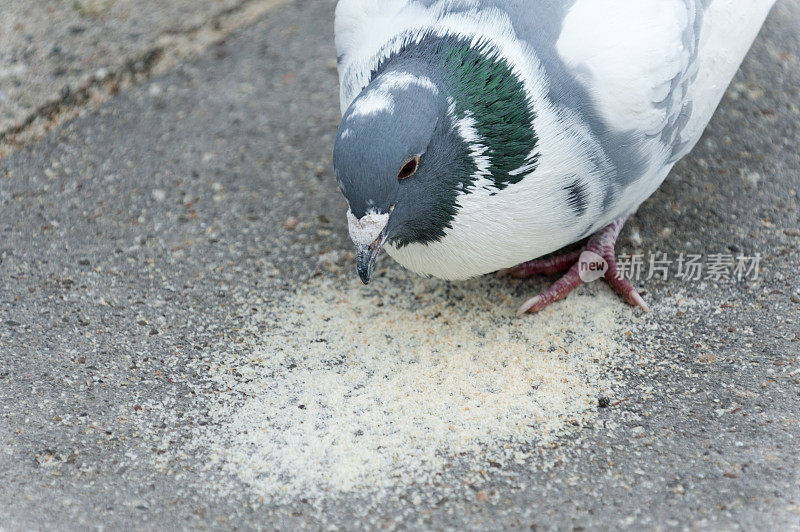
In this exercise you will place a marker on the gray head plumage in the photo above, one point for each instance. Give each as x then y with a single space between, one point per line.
391 122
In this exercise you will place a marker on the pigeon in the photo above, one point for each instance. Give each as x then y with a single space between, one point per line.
483 136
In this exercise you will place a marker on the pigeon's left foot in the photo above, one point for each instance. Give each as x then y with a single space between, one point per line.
602 245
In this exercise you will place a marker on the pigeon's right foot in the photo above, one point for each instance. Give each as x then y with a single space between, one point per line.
548 266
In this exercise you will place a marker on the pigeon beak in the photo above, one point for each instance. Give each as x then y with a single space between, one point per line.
368 234
366 257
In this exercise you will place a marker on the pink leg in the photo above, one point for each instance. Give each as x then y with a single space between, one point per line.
548 266
602 244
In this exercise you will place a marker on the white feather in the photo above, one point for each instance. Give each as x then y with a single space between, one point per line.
720 56
627 52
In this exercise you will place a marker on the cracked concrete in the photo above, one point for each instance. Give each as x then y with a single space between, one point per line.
61 59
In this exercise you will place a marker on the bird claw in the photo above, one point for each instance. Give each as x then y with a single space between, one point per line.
528 305
602 244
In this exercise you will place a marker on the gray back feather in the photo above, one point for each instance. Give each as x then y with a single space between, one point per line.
539 24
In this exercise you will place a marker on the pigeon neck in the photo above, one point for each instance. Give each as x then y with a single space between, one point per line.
486 101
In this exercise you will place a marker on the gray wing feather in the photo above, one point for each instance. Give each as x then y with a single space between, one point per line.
539 24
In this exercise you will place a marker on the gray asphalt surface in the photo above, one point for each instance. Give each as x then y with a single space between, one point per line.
57 58
124 234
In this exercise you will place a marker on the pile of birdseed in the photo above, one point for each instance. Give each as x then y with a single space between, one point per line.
345 389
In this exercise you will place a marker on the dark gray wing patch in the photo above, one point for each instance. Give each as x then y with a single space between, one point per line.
577 197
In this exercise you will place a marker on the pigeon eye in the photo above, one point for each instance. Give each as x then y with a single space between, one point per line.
409 169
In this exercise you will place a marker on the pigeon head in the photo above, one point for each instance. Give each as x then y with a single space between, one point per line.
432 124
390 156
